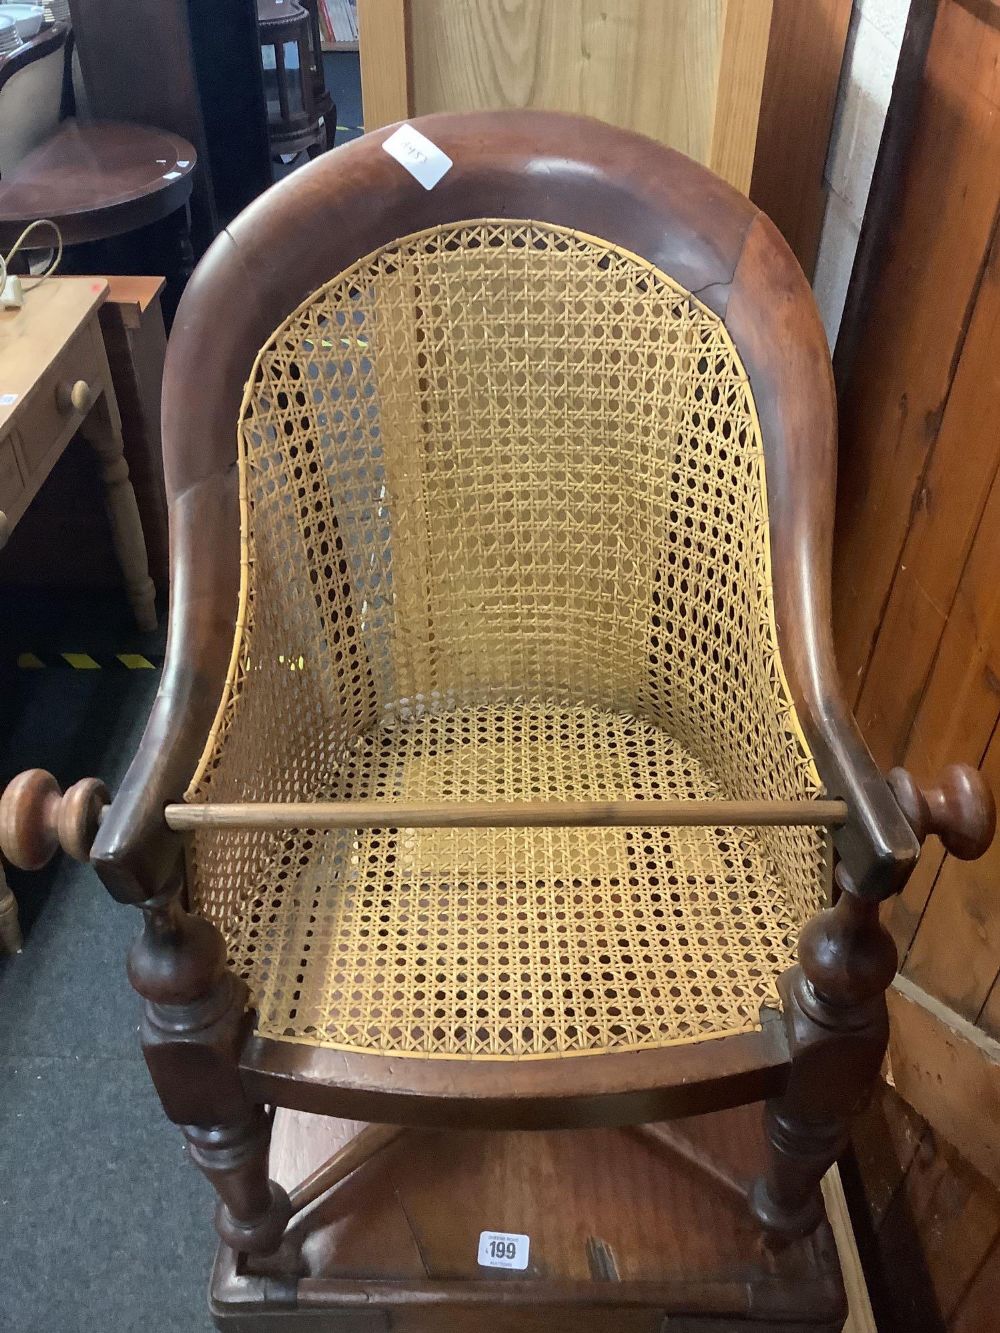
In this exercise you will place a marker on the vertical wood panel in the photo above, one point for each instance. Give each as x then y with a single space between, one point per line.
385 74
686 72
917 324
959 710
936 1239
956 949
917 598
989 1018
950 503
952 1216
805 53
949 1072
739 83
885 1137
977 1311
650 65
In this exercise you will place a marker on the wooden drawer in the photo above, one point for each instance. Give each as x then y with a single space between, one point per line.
43 424
11 480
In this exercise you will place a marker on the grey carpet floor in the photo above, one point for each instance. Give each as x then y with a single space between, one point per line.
105 1224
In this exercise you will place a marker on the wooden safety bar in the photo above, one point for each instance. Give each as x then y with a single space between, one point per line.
36 819
504 814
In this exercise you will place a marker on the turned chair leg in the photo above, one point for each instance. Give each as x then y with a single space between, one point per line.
252 1211
194 1022
835 1013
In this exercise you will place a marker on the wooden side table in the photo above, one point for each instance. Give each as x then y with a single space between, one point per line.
96 181
136 343
119 194
55 381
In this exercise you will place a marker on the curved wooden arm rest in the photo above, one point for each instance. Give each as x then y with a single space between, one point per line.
136 854
877 845
793 390
36 819
959 808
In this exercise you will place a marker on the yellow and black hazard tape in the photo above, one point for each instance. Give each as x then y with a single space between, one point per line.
90 661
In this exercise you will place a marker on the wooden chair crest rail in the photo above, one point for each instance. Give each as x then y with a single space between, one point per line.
503 508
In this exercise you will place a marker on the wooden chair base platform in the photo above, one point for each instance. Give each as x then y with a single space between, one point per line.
632 1230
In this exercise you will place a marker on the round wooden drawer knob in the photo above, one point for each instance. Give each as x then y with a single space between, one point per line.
75 397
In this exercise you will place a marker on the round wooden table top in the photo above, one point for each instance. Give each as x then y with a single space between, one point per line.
97 180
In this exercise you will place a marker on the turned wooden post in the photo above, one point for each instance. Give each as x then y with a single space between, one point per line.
195 1014
838 1030
835 1010
195 1020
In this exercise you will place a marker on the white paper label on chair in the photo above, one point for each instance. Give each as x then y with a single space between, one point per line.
503 1249
422 159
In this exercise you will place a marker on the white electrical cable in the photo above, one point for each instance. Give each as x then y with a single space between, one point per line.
16 297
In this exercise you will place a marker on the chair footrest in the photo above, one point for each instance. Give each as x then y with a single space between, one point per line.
623 1235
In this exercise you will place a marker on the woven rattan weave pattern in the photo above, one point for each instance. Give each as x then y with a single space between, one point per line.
505 537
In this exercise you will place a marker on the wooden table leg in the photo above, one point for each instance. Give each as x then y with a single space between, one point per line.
10 927
101 428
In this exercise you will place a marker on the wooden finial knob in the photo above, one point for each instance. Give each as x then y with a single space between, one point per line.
36 820
959 808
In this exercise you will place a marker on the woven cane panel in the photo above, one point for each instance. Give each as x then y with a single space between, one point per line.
505 532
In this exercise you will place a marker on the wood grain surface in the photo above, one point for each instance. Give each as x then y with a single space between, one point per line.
603 1209
932 1232
949 1072
917 599
919 312
688 74
804 55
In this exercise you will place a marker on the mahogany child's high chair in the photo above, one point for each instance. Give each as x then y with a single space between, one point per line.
500 748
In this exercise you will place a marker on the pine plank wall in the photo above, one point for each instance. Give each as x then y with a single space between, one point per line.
917 618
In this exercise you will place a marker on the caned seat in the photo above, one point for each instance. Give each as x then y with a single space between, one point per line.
504 521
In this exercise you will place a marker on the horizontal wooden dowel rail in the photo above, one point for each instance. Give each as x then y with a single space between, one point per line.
504 814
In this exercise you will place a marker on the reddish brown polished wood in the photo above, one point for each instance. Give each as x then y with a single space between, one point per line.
627 1233
553 168
958 808
37 820
98 180
816 1061
619 1088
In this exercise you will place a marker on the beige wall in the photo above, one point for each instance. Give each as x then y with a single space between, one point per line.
870 61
